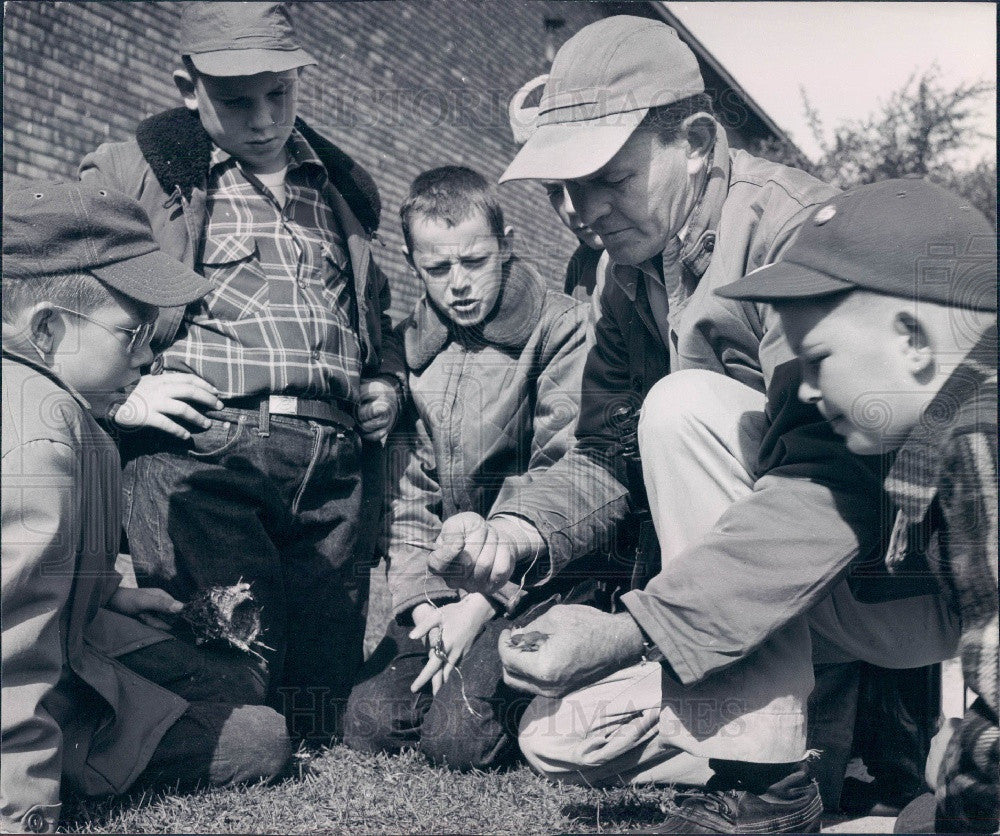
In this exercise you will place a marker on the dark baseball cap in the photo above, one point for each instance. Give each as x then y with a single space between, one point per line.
602 84
227 39
51 228
907 238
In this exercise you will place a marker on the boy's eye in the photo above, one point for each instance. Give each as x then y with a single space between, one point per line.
277 94
478 261
438 270
235 104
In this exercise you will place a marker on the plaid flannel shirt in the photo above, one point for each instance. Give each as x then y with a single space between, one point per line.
281 317
951 458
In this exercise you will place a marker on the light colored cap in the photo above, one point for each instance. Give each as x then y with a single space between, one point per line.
602 83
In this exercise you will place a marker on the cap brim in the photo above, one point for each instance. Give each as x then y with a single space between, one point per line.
155 279
230 62
783 280
568 150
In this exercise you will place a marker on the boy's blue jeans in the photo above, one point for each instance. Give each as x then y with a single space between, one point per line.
280 507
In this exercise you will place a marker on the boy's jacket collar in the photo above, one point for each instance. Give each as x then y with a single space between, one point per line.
512 321
179 152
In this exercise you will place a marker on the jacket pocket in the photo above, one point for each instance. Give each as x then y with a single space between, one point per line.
232 264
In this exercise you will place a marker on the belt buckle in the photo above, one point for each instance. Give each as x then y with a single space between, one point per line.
283 405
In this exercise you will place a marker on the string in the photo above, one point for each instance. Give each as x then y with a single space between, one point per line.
444 661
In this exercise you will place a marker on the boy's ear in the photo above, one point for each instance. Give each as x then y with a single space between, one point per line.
406 253
699 131
43 327
916 346
507 243
187 87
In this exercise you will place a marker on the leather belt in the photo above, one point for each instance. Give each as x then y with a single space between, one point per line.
335 410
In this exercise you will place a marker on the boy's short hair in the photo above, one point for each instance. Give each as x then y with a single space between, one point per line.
451 193
81 291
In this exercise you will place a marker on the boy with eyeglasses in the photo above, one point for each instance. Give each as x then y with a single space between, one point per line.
96 697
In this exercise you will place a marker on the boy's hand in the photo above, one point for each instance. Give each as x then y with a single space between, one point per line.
449 632
479 555
378 408
145 605
158 400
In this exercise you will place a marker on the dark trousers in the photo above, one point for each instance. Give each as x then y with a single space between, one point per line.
278 506
471 723
226 736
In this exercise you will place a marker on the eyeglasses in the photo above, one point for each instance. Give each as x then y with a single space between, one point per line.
138 337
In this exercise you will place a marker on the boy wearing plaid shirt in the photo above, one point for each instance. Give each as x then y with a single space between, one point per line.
250 460
888 297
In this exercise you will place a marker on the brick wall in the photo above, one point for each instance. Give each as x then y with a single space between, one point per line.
401 86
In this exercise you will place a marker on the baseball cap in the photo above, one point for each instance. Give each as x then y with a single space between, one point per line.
602 83
227 39
906 238
51 228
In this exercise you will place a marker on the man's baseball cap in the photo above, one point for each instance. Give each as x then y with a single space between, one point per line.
602 83
51 228
227 39
905 238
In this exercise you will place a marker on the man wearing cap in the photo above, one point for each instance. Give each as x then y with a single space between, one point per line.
294 340
757 505
96 698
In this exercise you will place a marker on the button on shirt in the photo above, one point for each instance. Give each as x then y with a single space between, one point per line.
280 318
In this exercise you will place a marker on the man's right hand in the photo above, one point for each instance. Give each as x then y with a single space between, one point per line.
480 555
159 400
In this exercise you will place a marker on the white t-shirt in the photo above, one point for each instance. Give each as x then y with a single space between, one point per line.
275 184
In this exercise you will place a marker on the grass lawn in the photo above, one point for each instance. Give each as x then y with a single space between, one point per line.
347 792
343 791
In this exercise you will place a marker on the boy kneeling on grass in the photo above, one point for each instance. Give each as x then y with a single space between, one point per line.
495 361
95 697
889 300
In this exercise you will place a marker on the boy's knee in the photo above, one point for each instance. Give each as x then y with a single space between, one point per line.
254 743
375 722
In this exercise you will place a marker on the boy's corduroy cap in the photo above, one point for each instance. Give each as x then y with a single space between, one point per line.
602 83
229 39
905 238
51 228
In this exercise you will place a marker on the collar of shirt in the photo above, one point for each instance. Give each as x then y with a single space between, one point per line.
912 482
45 371
300 154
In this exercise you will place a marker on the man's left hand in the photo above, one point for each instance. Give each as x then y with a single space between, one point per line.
568 647
378 408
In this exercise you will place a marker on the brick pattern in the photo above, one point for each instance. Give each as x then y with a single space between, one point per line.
401 86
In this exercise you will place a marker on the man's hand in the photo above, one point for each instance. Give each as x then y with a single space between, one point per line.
159 400
145 605
480 555
452 628
378 408
568 647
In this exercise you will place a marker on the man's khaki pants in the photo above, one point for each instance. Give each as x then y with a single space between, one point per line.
699 434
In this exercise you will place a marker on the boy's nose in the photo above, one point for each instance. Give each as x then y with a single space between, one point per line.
809 393
260 117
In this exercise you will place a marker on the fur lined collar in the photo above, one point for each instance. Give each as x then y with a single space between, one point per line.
515 317
179 152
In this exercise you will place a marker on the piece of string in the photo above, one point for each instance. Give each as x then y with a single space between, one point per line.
427 598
